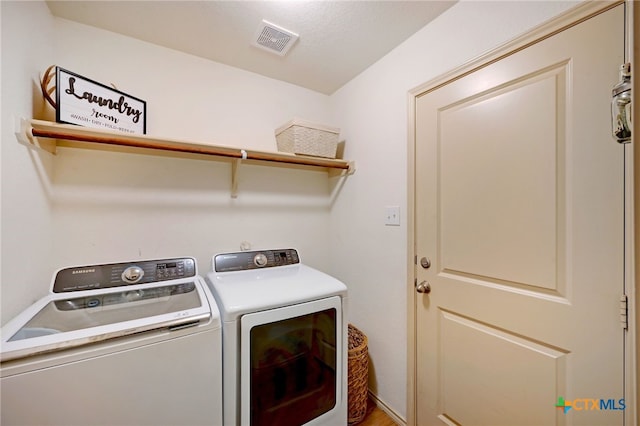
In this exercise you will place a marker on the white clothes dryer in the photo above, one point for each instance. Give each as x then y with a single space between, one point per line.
284 340
133 343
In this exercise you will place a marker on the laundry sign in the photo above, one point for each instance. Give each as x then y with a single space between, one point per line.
91 104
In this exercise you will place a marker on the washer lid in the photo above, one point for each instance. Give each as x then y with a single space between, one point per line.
60 321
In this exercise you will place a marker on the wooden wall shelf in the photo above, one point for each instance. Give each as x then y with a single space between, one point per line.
55 134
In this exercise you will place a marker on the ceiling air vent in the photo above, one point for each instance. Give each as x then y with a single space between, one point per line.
274 39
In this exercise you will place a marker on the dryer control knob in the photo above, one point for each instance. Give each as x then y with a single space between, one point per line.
260 260
132 274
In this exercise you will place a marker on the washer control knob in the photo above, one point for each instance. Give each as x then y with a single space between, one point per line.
260 260
132 274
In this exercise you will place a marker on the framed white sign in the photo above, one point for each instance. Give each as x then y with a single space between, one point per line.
91 104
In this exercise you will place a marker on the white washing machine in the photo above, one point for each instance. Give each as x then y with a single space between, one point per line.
133 343
284 331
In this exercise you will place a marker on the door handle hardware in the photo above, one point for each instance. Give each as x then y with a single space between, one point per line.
424 287
425 263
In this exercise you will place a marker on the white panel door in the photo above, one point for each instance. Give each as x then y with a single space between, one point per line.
519 207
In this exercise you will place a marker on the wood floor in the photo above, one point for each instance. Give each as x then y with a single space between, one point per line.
375 416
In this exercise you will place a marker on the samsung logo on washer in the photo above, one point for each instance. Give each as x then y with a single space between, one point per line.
82 271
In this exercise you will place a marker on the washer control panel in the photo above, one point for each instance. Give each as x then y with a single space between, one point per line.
246 260
94 277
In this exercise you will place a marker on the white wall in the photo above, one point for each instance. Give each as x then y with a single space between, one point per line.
95 206
89 206
372 110
129 206
27 50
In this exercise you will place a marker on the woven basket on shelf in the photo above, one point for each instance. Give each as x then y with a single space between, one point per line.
358 372
307 138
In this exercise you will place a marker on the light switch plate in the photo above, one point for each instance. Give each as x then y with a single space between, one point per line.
392 216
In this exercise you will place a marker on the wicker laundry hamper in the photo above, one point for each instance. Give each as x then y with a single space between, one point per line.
358 372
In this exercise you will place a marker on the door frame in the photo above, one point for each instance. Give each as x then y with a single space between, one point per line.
558 24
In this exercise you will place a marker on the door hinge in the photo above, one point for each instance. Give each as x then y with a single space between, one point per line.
624 312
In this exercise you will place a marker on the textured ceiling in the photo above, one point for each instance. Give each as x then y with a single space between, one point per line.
338 39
